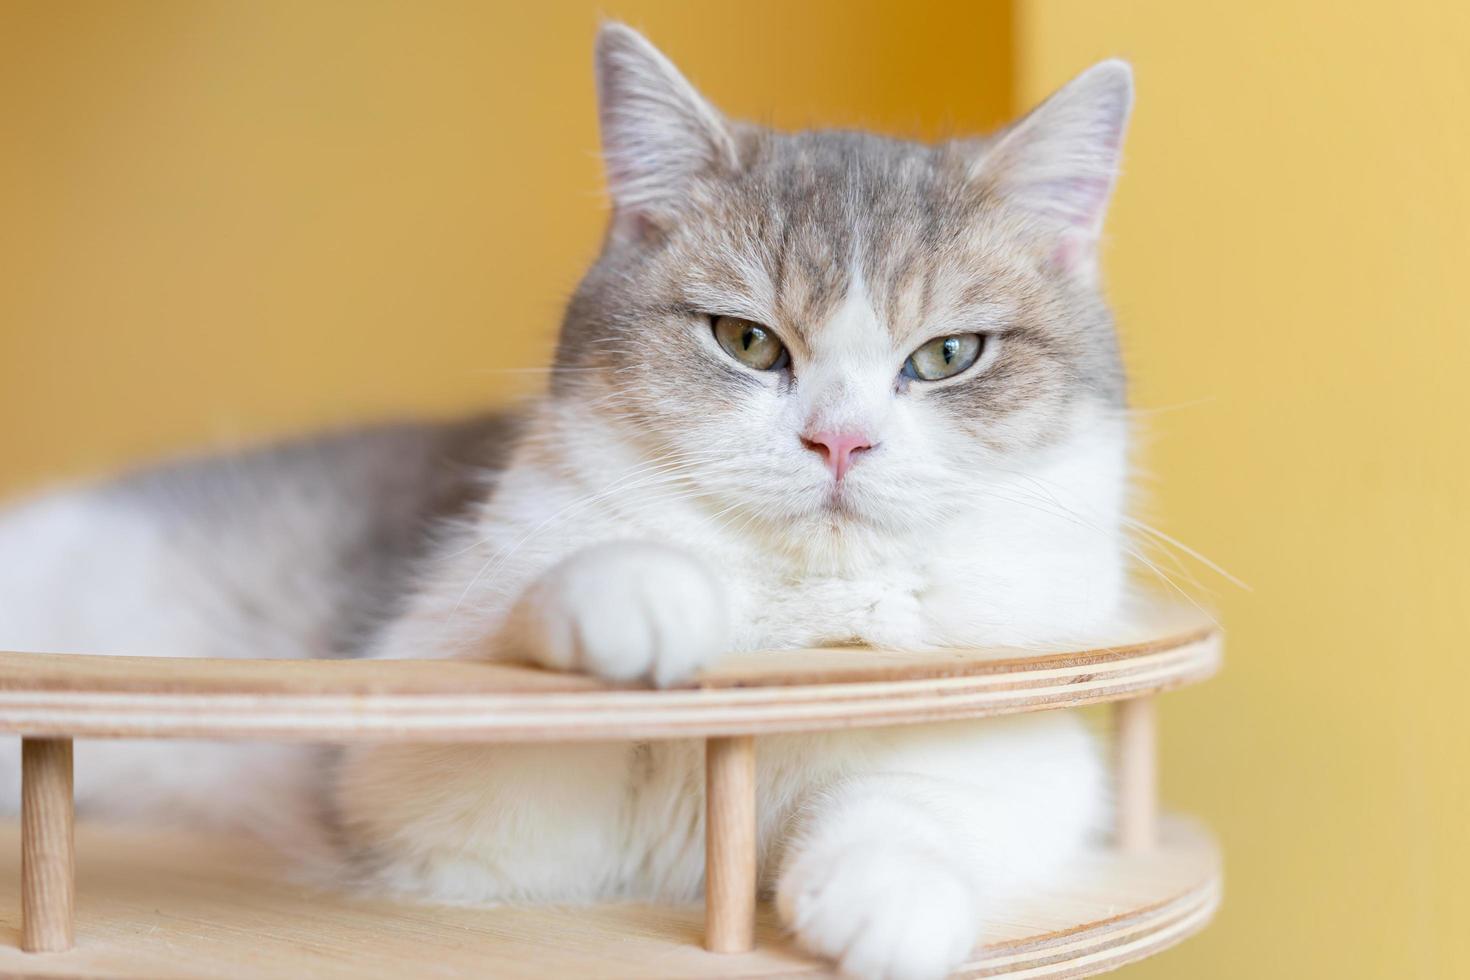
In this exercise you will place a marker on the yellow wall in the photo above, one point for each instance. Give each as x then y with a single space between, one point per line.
1291 262
224 220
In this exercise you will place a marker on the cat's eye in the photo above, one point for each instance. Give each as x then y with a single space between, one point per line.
750 343
944 357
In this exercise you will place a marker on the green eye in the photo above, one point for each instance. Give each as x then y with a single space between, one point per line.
750 343
944 357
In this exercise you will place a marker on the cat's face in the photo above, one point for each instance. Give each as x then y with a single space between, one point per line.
837 326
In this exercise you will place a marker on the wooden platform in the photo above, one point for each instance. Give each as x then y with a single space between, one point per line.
154 905
752 694
165 904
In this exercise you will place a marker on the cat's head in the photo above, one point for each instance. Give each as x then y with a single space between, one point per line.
836 325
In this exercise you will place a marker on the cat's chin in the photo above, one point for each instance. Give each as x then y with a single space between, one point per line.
849 506
835 511
838 501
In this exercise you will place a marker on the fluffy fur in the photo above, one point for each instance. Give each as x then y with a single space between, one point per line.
662 507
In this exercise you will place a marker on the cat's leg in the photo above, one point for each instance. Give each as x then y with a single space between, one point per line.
547 823
570 822
621 610
486 823
891 871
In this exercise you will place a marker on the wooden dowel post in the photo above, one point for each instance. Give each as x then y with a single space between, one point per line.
47 862
1136 771
729 842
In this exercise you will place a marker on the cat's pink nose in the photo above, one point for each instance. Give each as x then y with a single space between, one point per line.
837 448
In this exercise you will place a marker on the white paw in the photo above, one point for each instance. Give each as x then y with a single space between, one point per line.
629 610
884 912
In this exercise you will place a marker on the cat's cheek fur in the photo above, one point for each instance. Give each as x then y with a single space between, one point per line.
624 610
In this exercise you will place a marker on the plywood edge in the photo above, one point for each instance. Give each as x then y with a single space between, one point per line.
1173 627
599 714
427 700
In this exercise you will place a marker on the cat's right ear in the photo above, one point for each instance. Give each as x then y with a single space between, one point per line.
658 133
1059 163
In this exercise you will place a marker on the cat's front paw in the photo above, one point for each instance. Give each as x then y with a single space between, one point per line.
627 610
891 911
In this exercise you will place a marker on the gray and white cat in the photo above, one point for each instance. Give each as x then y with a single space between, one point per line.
822 386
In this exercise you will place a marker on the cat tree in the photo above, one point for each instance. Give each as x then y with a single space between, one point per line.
160 904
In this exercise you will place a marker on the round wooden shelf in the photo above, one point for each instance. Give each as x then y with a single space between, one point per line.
166 905
430 700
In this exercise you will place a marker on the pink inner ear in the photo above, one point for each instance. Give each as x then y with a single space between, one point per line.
1076 203
1071 251
1074 200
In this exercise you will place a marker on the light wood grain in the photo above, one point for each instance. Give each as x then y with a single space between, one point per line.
166 905
1135 768
47 862
730 845
782 691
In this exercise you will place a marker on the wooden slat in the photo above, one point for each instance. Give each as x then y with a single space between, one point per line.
803 690
1135 773
47 887
168 905
731 857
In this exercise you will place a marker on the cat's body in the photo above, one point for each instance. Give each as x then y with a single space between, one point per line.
227 558
679 496
297 551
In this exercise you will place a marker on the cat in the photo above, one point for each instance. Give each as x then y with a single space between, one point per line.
817 387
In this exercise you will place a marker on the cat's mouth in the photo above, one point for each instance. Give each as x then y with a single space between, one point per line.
840 502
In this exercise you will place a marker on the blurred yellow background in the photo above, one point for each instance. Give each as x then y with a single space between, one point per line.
220 222
1290 262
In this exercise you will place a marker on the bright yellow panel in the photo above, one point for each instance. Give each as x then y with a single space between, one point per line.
1291 261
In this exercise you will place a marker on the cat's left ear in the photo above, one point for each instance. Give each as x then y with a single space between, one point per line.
1059 163
658 133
